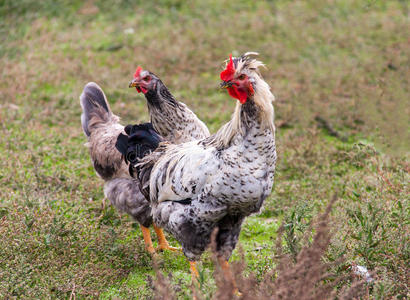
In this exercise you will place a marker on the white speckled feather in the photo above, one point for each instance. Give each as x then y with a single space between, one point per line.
218 181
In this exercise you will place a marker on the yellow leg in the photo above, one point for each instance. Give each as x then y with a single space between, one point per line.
194 278
147 239
162 241
194 271
228 275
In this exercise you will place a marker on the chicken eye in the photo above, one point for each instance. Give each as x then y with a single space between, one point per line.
242 77
147 78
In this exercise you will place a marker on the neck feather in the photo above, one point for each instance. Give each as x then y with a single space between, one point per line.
160 97
259 109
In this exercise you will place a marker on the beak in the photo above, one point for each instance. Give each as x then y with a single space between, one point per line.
225 84
133 83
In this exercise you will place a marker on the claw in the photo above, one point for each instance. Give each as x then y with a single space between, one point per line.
150 250
162 241
162 247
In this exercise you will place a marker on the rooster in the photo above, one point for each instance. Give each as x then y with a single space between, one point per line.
198 186
102 129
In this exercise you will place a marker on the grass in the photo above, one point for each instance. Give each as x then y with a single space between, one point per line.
345 61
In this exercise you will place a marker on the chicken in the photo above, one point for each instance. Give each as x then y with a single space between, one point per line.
216 182
102 129
173 120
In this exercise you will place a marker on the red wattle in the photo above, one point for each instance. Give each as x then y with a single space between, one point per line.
242 96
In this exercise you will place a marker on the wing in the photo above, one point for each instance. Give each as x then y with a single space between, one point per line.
177 172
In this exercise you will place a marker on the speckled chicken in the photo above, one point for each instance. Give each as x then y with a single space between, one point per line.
216 182
172 119
102 129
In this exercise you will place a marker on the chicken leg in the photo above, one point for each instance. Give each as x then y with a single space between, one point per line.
147 239
228 275
162 241
225 269
194 271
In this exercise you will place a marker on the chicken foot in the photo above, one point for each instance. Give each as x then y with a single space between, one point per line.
162 241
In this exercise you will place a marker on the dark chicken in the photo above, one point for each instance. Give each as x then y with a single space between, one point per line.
172 119
216 182
102 129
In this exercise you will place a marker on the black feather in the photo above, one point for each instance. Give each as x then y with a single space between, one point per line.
122 144
128 129
141 139
185 201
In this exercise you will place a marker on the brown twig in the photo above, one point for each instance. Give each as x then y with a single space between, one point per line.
72 296
387 181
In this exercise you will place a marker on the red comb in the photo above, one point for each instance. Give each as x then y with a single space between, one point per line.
227 74
137 72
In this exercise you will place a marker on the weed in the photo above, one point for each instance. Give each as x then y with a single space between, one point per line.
306 277
345 61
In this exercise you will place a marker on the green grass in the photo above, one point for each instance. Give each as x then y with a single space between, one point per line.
346 61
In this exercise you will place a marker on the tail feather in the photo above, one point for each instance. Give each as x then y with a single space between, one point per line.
141 140
95 107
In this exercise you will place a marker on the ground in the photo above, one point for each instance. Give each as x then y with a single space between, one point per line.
340 72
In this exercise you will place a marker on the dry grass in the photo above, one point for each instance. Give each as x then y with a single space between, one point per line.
309 277
339 70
